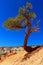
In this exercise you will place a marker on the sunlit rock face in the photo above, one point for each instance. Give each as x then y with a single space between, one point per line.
4 50
35 58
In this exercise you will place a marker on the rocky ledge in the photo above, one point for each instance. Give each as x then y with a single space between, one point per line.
24 58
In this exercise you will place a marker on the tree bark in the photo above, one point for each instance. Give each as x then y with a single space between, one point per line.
28 48
26 37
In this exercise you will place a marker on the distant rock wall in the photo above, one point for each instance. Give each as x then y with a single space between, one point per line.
6 50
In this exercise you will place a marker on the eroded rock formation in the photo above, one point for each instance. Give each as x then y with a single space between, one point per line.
35 58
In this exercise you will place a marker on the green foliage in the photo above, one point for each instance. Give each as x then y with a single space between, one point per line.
25 11
22 17
28 5
32 15
12 24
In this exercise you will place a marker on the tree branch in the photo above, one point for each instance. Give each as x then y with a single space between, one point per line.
21 26
36 27
26 33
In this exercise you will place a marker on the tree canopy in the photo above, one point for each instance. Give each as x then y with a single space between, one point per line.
23 14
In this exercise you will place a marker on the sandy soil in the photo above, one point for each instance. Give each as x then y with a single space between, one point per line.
35 58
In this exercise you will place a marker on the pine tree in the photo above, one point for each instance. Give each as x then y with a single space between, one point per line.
23 21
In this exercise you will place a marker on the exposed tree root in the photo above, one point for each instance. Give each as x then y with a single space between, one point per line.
27 55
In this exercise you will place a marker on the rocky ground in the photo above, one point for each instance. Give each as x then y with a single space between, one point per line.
6 50
24 58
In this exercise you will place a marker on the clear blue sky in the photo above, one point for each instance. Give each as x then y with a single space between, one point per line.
9 8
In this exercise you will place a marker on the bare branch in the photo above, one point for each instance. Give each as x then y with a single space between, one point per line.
26 33
35 30
36 27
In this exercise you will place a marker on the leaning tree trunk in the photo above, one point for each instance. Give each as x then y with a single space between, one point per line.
28 48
